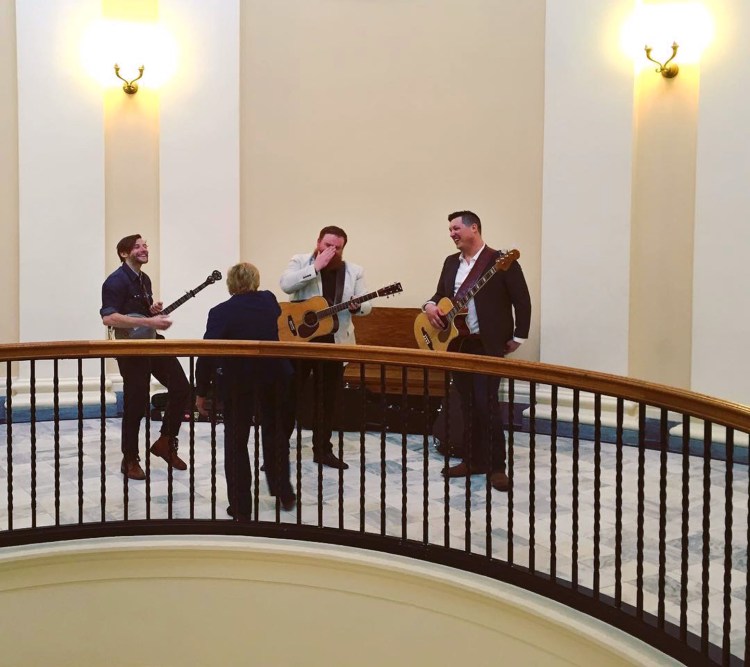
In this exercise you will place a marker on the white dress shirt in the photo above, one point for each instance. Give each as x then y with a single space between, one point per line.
464 268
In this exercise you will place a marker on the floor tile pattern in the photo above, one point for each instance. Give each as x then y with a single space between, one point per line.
384 490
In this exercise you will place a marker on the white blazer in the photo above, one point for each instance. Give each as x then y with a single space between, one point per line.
301 281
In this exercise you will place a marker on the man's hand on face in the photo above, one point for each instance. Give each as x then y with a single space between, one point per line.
324 257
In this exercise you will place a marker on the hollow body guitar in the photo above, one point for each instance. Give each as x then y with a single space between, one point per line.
453 312
302 320
144 333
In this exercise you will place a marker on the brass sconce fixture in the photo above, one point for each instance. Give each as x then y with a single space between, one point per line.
669 69
130 87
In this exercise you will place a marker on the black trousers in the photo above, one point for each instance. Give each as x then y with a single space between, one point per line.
136 377
484 435
326 377
245 404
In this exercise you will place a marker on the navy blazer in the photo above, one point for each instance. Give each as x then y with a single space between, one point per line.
503 304
248 316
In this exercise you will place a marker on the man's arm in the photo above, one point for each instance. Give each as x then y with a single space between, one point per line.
297 274
120 321
205 367
521 300
112 302
357 307
430 307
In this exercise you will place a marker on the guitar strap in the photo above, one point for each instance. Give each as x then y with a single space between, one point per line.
482 264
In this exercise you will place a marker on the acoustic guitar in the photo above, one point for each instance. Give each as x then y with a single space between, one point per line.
144 333
303 320
453 312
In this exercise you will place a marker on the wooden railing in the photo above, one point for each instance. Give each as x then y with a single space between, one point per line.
634 510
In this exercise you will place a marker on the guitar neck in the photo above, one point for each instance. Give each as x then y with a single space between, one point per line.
188 295
332 310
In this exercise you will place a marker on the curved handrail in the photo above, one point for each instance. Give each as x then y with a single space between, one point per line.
626 474
701 406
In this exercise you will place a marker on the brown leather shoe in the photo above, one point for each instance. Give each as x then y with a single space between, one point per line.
462 470
166 448
499 481
132 469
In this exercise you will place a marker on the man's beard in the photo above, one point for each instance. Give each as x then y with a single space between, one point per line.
337 261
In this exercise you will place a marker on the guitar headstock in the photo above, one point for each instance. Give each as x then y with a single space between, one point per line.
389 290
503 262
215 275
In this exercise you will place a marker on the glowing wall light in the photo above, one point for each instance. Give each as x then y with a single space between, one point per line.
131 49
667 31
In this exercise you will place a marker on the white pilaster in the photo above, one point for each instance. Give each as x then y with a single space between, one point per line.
586 200
199 157
61 182
588 137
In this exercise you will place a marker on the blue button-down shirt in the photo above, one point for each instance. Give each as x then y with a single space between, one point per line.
125 292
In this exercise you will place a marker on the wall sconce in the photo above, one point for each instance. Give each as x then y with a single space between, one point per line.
668 70
129 45
687 26
130 87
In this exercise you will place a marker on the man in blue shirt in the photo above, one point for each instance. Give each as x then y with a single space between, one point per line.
127 302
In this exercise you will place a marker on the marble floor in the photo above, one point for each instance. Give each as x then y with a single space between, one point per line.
384 490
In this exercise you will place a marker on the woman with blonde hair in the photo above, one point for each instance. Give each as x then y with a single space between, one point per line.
246 384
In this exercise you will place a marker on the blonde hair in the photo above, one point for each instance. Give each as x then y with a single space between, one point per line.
243 277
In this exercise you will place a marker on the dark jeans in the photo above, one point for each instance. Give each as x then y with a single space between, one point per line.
326 378
270 403
484 436
136 378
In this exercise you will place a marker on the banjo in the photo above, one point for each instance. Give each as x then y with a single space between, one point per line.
144 333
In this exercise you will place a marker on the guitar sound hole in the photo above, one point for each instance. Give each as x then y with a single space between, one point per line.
310 319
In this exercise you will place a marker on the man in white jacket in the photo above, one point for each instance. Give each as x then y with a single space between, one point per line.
324 273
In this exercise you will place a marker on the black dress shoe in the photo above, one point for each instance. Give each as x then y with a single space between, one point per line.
288 500
240 516
462 470
331 460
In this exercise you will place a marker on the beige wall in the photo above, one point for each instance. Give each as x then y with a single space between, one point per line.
8 175
383 118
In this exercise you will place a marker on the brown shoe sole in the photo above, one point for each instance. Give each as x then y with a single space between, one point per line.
138 475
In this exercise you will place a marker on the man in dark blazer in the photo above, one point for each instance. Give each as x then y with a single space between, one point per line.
498 322
243 383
